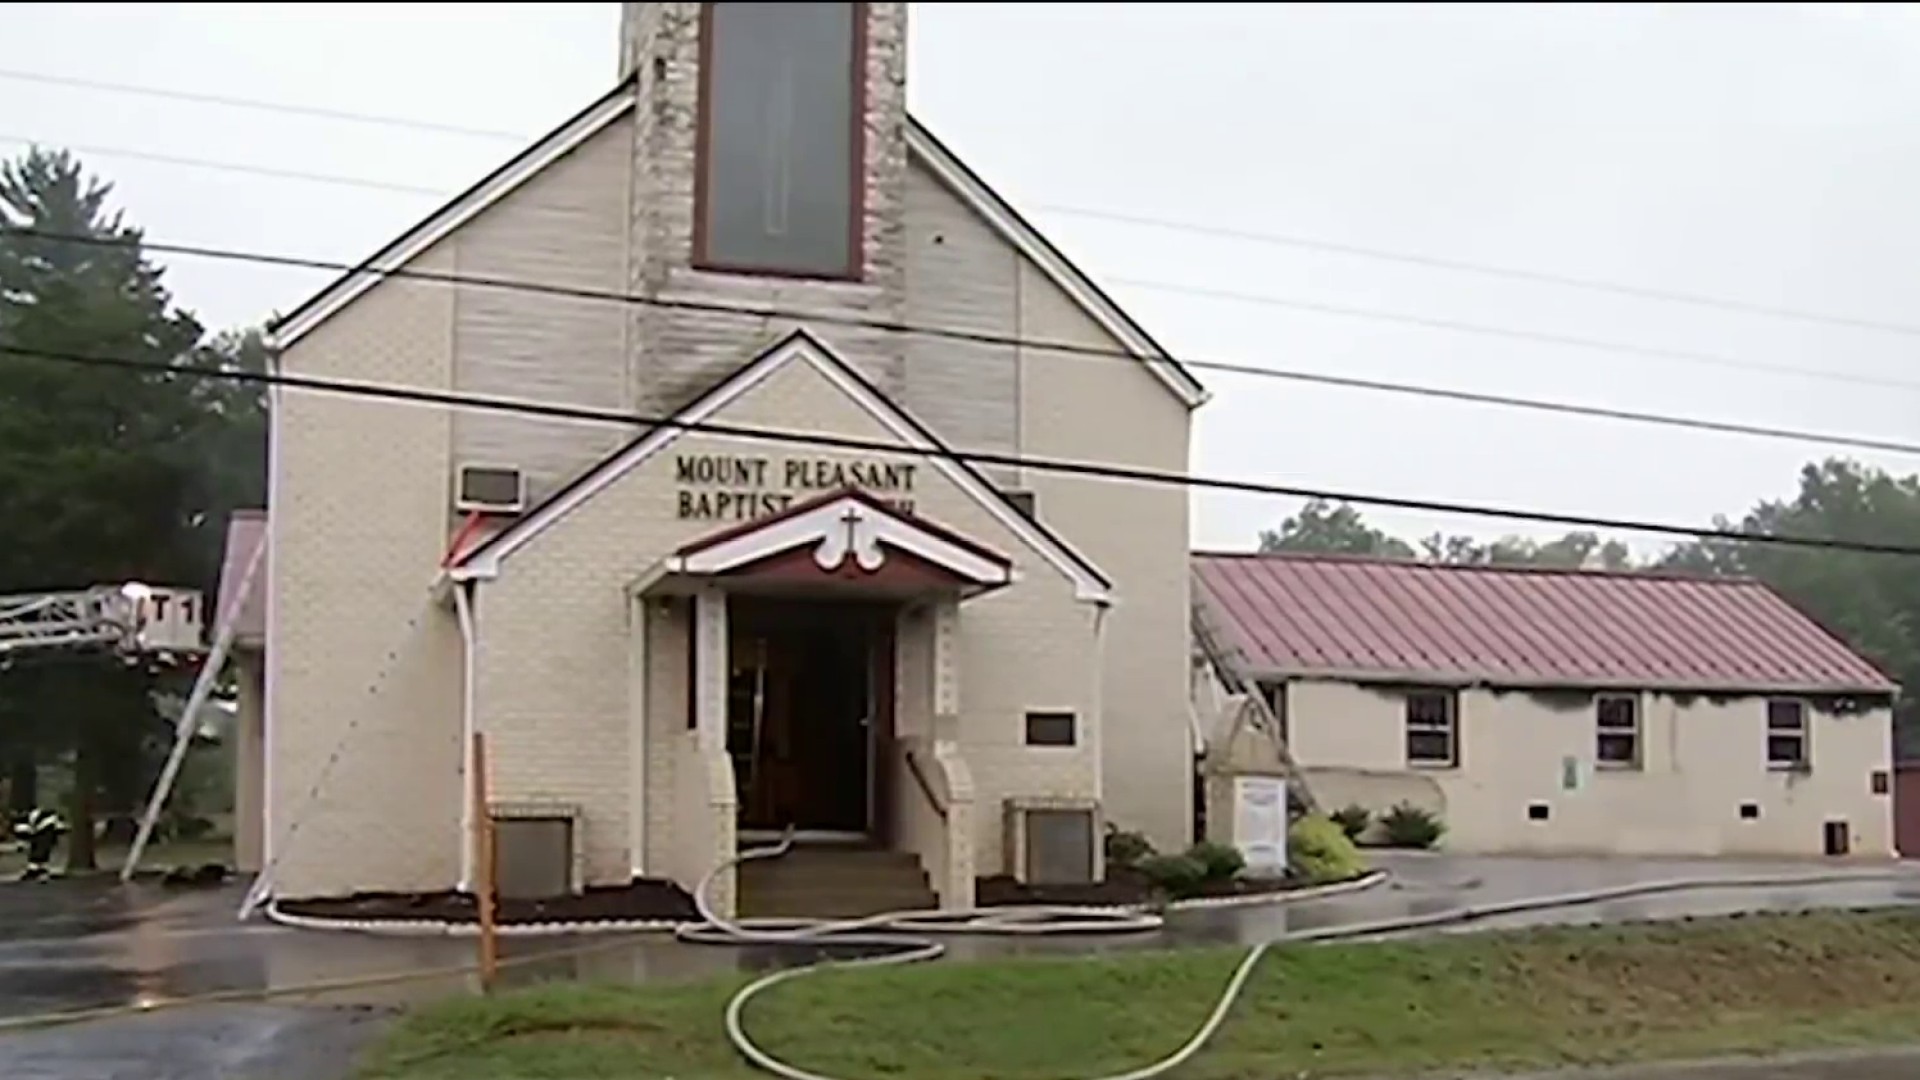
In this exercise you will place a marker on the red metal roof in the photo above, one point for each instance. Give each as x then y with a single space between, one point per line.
1335 615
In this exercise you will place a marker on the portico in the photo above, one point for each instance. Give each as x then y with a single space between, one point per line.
823 683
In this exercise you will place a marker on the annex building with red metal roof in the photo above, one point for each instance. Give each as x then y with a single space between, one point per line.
1563 711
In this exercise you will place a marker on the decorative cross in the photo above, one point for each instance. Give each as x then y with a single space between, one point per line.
852 519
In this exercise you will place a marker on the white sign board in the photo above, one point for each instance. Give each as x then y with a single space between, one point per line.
1260 823
168 620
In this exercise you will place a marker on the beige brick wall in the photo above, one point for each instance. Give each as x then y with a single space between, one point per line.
565 228
553 629
363 664
1700 760
961 275
1108 409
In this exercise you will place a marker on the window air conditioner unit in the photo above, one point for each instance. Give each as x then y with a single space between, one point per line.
488 489
1053 841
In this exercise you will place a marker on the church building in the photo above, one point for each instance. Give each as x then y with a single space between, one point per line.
810 583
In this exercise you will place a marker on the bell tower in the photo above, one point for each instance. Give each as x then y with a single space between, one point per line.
769 173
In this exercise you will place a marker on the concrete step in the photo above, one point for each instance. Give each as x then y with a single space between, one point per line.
832 905
833 882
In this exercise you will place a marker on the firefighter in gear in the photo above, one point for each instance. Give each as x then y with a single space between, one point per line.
41 830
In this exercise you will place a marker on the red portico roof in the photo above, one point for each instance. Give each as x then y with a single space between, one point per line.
1376 619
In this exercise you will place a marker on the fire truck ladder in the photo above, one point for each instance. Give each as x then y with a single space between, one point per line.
104 617
132 620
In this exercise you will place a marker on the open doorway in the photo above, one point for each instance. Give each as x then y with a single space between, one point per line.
809 715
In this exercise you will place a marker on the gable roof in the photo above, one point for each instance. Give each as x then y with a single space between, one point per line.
966 184
1089 583
1378 620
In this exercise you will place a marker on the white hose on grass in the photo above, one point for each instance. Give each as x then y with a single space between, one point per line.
911 938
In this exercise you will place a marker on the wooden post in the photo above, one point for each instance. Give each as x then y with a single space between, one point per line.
483 862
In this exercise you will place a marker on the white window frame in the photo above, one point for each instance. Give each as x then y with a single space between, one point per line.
1636 731
1450 726
1804 732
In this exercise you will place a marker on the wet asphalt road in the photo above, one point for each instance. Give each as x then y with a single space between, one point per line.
72 945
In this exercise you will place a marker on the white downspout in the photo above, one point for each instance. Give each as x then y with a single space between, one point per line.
1097 728
463 613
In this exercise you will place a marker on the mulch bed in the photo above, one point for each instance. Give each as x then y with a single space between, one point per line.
1123 885
656 899
642 898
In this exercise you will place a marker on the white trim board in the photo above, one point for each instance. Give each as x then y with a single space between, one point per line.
837 538
1089 585
921 146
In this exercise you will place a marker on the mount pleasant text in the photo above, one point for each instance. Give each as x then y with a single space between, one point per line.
725 487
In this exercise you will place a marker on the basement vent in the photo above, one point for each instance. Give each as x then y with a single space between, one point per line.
1053 841
487 489
533 857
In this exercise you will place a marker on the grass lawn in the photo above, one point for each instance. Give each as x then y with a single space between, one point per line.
1536 998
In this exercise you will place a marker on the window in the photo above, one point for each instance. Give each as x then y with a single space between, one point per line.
1787 735
1275 694
1050 729
1617 720
1432 734
778 162
1024 502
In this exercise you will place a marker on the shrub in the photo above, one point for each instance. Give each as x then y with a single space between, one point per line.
1179 876
1408 826
1220 862
1318 850
1353 820
1126 848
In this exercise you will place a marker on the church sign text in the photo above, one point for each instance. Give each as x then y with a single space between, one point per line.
727 487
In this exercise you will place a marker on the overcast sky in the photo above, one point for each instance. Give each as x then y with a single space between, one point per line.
1760 154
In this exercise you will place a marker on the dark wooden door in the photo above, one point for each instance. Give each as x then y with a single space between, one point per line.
807 672
1906 810
882 751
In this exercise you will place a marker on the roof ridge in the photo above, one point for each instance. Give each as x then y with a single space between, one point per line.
1418 563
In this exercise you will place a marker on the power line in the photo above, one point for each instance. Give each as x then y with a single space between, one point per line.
226 166
1065 348
1316 307
1290 240
448 399
1537 336
284 108
1538 277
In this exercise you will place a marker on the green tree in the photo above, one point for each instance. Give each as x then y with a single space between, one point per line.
106 474
1332 529
1339 529
1573 551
